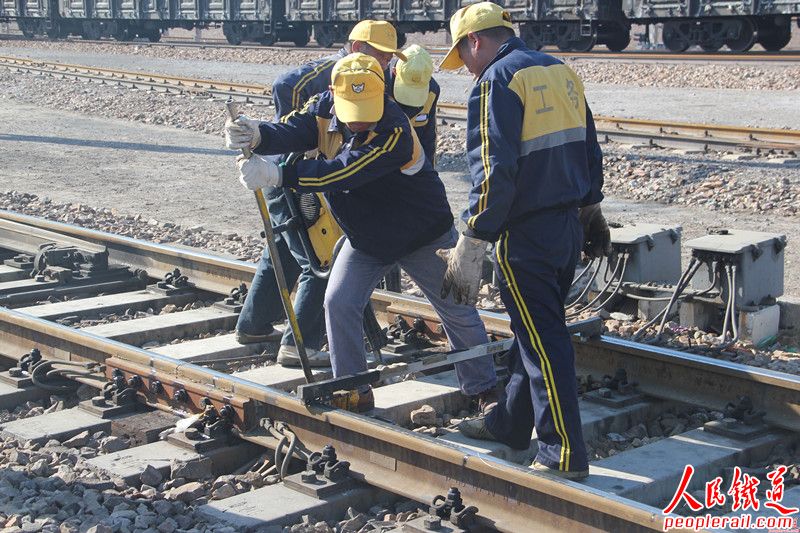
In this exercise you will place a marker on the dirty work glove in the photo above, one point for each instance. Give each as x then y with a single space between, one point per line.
258 173
596 236
242 133
464 268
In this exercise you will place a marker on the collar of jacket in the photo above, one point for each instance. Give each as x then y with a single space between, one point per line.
514 43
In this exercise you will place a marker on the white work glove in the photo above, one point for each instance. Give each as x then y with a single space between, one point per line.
258 173
464 268
242 133
596 235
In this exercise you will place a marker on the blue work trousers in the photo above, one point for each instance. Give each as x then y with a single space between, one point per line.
535 263
263 304
352 281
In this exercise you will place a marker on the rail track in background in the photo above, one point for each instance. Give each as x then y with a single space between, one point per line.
624 492
622 130
787 56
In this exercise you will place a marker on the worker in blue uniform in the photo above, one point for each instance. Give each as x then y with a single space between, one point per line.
262 306
387 198
537 176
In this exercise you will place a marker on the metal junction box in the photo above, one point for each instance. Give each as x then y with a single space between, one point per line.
758 258
655 252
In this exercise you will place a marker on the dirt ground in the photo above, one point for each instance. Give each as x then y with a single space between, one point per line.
188 178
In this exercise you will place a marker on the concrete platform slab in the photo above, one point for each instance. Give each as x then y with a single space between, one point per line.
110 303
440 391
129 464
165 328
219 347
597 420
277 505
650 474
8 273
60 425
11 397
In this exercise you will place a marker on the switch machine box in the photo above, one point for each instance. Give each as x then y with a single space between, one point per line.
759 260
655 252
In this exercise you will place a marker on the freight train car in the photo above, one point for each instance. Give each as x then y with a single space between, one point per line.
576 25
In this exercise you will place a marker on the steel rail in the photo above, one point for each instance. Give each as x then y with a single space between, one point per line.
133 77
661 372
381 454
673 134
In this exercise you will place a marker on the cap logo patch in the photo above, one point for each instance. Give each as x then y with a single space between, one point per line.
357 88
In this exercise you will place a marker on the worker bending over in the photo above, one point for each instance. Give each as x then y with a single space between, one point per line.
385 195
537 177
262 306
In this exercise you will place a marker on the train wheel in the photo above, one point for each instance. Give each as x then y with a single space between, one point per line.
619 41
27 29
153 35
267 40
54 32
584 44
232 33
773 36
324 35
301 38
711 47
401 39
673 40
745 40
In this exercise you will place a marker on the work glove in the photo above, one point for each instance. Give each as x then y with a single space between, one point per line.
258 173
242 133
464 268
596 236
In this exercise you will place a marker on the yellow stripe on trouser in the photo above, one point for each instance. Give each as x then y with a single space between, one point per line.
536 342
354 167
484 131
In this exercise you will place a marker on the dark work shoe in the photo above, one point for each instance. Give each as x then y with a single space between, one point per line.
487 400
475 428
574 475
247 338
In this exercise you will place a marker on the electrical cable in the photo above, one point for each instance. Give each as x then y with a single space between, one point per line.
678 289
585 289
620 262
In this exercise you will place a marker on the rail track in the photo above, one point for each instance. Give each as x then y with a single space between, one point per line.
623 130
106 274
787 56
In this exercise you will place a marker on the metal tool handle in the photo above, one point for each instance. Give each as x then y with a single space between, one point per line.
280 278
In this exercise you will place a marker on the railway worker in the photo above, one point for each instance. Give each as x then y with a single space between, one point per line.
262 305
387 198
537 176
411 84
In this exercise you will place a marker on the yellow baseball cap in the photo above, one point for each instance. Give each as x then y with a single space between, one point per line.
358 88
380 34
474 17
413 76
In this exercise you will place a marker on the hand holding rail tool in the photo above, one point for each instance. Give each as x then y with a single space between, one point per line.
276 265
